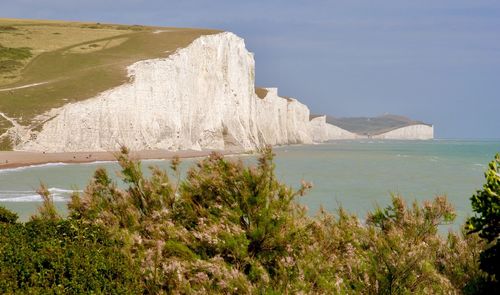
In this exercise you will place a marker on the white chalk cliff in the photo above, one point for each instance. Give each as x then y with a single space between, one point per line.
201 97
322 131
416 132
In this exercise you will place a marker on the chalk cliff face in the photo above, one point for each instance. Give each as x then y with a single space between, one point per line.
281 120
323 131
419 131
201 97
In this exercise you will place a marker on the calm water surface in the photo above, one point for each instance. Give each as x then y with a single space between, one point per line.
356 174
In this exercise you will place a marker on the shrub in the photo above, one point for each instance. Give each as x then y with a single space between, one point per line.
21 53
231 229
7 216
405 246
11 58
228 228
63 257
225 228
486 221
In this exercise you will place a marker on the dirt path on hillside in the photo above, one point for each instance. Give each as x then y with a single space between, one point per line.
12 121
23 86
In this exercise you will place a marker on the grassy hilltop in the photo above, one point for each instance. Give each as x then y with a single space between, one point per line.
46 64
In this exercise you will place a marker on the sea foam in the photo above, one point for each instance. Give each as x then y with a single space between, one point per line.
8 170
58 195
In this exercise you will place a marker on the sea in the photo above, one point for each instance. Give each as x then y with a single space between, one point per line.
357 175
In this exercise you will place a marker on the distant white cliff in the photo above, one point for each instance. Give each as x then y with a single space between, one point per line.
201 97
417 132
322 131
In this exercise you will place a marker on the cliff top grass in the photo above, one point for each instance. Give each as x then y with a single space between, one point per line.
46 64
261 92
373 125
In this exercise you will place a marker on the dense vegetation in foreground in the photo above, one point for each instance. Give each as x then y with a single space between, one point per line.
231 229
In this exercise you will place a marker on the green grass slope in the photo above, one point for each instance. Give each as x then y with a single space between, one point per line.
46 64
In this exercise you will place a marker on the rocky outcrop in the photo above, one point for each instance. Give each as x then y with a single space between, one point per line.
201 97
417 132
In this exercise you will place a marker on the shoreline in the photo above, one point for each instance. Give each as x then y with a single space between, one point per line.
17 159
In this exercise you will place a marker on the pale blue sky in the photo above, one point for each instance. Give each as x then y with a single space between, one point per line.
436 61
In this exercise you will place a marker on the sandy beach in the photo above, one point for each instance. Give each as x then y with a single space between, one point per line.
14 159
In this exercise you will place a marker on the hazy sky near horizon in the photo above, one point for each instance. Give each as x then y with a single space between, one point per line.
432 60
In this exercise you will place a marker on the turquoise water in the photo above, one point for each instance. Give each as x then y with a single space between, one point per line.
356 174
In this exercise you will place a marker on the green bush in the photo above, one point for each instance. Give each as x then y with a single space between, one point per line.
225 228
21 53
63 257
11 58
486 222
408 256
228 228
6 216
